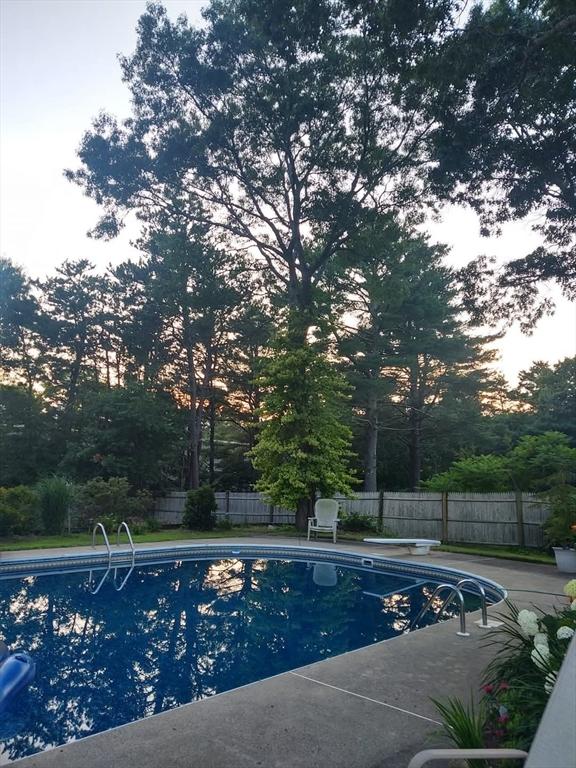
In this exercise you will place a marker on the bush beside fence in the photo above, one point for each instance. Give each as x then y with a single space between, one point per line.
475 518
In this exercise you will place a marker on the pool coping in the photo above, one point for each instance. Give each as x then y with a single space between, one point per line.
18 567
154 726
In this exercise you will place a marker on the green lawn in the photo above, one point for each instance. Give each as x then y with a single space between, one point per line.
85 539
16 543
179 534
505 553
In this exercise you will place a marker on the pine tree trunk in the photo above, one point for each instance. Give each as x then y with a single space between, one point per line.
211 447
371 455
415 421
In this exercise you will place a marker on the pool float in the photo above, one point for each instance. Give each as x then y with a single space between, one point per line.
16 671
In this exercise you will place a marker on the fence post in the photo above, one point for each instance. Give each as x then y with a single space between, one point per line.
520 518
271 514
227 505
380 511
444 516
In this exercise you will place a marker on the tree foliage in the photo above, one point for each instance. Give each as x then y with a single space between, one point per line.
304 444
505 134
277 123
536 463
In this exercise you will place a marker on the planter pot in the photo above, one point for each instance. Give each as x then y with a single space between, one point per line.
565 559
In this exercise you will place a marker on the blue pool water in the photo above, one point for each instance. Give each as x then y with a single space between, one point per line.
178 632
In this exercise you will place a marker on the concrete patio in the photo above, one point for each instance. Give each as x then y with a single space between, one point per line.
369 708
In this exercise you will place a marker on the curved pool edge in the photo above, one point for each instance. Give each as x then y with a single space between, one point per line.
16 567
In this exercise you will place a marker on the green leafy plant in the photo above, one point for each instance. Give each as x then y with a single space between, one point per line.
304 444
357 522
200 510
111 501
19 511
560 528
55 495
225 524
464 725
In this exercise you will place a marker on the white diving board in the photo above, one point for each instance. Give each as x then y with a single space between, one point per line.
416 546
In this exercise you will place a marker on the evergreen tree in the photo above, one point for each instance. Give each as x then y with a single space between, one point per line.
505 135
304 444
408 346
19 353
276 123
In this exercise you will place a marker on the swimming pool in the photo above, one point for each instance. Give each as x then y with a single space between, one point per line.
173 631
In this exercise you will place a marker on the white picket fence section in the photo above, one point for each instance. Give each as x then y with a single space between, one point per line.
475 518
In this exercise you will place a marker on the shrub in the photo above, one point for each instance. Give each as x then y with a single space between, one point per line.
224 525
153 525
560 528
9 519
531 648
55 496
357 522
199 513
111 501
19 510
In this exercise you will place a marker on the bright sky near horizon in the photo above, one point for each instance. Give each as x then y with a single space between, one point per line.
59 68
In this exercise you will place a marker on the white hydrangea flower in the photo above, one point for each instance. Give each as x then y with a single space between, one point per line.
570 588
528 622
564 633
540 656
550 681
573 605
540 638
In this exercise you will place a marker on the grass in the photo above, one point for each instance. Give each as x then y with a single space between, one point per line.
17 543
504 553
85 539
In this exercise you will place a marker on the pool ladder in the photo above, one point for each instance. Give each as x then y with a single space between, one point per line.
100 527
455 591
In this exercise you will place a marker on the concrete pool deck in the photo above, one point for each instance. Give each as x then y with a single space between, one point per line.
369 708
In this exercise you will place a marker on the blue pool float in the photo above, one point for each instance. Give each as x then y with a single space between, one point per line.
16 672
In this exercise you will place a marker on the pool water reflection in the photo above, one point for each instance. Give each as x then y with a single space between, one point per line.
179 632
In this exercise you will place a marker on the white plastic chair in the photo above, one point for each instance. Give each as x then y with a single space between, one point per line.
325 518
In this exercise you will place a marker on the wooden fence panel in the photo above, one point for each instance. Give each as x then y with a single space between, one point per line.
483 518
535 514
413 514
475 518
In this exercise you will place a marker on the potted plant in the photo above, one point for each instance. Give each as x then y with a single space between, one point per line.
560 528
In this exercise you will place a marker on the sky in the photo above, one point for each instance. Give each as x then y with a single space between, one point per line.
59 69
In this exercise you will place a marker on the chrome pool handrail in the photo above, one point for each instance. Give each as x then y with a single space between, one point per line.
97 527
120 587
482 592
102 580
124 525
454 592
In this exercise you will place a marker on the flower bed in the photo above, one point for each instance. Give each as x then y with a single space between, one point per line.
531 647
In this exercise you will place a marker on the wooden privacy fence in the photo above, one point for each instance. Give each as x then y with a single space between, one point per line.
475 518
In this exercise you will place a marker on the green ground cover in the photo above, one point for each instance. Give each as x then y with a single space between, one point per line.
505 553
16 543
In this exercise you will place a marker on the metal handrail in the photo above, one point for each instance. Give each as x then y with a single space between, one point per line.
102 580
122 584
132 547
101 527
482 592
454 592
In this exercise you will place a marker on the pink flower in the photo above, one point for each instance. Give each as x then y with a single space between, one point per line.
488 688
504 686
503 718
